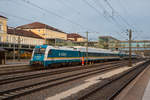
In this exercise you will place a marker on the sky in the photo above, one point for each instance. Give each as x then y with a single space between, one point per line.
98 17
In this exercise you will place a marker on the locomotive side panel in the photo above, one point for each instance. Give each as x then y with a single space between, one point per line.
63 56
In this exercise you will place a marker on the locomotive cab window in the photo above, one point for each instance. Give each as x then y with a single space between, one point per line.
39 50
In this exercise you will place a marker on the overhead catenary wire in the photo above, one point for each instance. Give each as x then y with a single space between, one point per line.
123 19
114 11
110 15
115 14
76 12
137 33
55 14
22 18
95 9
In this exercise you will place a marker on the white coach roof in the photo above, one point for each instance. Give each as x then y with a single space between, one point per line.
83 49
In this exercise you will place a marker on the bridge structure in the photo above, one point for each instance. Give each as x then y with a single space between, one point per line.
141 47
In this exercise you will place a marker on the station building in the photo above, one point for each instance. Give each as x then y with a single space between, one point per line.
16 40
49 33
15 36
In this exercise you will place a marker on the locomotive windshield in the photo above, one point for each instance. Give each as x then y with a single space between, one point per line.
39 51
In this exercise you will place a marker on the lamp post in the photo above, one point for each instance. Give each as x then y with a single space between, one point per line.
14 45
130 49
19 46
87 48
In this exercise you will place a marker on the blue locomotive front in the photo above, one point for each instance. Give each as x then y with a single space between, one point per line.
38 55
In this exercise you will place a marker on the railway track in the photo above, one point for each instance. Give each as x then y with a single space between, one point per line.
26 69
13 78
20 91
18 69
10 67
112 88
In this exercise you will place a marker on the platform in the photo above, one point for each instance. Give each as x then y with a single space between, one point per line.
138 89
22 62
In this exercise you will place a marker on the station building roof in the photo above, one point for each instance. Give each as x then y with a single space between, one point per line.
20 32
3 17
74 35
38 25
